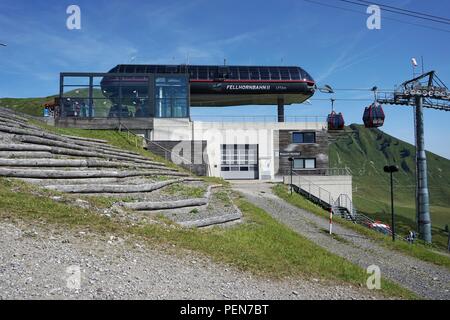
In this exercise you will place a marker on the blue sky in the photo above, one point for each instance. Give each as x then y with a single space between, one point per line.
333 45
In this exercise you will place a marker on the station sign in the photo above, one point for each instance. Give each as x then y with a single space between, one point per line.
289 154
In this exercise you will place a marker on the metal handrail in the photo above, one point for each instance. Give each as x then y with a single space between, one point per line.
358 217
324 171
259 118
310 183
348 203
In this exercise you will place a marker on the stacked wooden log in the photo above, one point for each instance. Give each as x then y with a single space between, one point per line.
86 166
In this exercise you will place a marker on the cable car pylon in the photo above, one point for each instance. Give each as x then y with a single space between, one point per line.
424 91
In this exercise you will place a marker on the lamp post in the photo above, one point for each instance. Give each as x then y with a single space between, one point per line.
391 170
291 161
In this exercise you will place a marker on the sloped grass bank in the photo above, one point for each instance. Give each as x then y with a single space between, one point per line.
417 250
261 245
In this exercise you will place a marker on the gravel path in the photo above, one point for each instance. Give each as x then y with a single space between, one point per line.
427 280
34 261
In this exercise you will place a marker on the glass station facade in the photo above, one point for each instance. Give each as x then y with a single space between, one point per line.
122 95
205 72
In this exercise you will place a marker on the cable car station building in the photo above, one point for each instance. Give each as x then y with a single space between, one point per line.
154 101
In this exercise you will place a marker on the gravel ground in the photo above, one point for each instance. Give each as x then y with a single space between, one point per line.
41 263
426 279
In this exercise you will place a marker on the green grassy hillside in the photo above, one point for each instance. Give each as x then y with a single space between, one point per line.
34 106
31 106
366 152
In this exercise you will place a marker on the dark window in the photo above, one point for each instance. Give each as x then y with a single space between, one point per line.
161 69
274 73
233 73
254 73
202 73
243 73
151 69
193 73
306 76
140 69
264 73
295 73
171 69
284 73
303 137
130 69
213 73
302 163
223 72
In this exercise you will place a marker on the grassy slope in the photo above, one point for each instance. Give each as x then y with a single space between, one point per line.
34 106
31 106
261 245
418 250
365 152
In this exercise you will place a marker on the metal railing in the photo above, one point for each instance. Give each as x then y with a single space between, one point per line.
313 190
324 196
323 172
344 201
258 118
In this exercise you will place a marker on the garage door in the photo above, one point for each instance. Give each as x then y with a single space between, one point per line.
239 161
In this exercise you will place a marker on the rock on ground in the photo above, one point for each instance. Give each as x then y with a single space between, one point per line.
37 262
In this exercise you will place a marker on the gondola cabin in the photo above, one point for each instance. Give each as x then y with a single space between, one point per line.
335 121
373 116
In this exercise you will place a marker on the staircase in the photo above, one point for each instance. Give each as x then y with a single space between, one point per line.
343 213
342 206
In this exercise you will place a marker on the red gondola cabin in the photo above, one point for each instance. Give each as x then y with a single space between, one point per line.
335 121
373 116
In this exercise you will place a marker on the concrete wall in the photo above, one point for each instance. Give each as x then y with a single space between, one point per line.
218 133
187 153
105 123
331 186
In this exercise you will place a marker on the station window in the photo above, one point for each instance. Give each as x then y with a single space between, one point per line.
140 69
274 73
130 69
243 73
234 73
303 137
295 73
254 73
264 73
151 69
304 163
193 73
202 73
285 74
213 73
